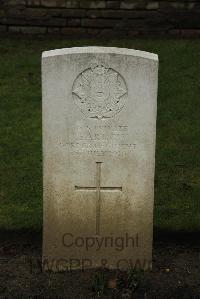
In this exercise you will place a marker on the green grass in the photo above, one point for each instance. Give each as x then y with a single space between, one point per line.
177 183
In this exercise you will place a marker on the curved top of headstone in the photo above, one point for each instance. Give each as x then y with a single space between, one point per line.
101 50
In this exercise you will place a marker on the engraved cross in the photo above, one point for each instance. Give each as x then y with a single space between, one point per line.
98 190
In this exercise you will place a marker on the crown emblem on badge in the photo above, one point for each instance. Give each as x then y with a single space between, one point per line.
99 91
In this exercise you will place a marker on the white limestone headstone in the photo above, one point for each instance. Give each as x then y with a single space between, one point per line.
99 132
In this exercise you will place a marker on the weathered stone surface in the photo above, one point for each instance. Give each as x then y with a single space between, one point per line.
167 16
51 22
3 28
93 31
93 4
33 3
99 23
189 33
29 30
150 24
133 33
16 29
152 5
15 2
12 21
14 12
184 20
72 3
119 13
53 3
75 22
127 4
34 21
173 5
113 4
53 30
117 32
2 13
75 13
73 31
99 131
36 12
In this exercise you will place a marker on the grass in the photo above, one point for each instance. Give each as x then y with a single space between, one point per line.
177 182
99 283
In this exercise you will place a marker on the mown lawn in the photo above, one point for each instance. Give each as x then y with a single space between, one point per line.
177 182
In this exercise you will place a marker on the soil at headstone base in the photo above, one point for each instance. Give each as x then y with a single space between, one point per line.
175 274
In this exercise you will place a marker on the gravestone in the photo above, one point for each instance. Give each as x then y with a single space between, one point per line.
99 131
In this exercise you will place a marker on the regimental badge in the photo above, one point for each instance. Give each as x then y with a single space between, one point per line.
99 91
